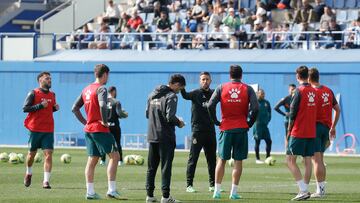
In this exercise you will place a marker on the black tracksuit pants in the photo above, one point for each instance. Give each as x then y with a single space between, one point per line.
257 147
160 153
206 141
116 132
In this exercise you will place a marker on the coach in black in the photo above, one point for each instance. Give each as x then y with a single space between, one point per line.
162 119
203 131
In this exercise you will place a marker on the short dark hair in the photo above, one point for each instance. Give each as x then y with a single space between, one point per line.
111 89
236 72
292 85
303 72
100 69
205 73
41 74
177 78
314 75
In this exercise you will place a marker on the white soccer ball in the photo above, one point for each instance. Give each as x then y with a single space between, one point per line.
139 160
4 157
38 158
270 161
65 158
231 162
21 157
14 159
129 160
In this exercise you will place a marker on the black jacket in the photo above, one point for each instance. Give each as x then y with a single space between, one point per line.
200 119
160 112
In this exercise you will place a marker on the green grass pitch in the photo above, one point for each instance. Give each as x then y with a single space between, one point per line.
259 183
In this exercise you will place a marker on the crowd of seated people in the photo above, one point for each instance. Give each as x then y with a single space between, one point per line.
179 24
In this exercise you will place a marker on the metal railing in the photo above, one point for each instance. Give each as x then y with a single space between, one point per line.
170 40
39 21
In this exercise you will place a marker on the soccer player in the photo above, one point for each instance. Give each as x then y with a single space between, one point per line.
203 131
162 119
238 102
40 104
115 113
98 138
325 127
285 102
302 131
261 130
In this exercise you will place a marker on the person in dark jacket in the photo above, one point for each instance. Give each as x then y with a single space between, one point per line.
162 119
285 101
203 131
261 130
115 113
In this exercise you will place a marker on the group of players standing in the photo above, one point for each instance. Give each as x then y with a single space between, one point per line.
308 129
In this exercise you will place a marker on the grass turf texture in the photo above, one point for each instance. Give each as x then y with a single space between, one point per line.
259 183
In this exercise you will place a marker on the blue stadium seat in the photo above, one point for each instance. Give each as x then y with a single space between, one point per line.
358 3
252 4
329 3
339 4
244 4
350 4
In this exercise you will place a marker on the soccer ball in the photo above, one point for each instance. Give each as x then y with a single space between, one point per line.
13 158
129 160
270 161
139 160
21 158
38 158
231 162
65 158
4 157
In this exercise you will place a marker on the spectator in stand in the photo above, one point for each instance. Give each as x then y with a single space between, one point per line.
319 9
146 37
127 40
269 34
85 37
218 38
143 6
326 18
185 40
330 39
257 39
157 11
305 13
103 39
198 41
189 21
231 22
198 11
122 22
215 18
286 37
245 16
353 41
135 20
175 6
112 13
284 4
163 24
177 28
300 37
260 11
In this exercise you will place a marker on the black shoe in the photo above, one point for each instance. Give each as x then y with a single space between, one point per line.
27 180
46 185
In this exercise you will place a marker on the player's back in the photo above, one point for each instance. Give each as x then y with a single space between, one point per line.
305 120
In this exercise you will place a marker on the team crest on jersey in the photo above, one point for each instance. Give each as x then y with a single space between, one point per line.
325 97
234 93
311 96
87 94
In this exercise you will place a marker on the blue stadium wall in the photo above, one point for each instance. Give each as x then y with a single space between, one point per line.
135 80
